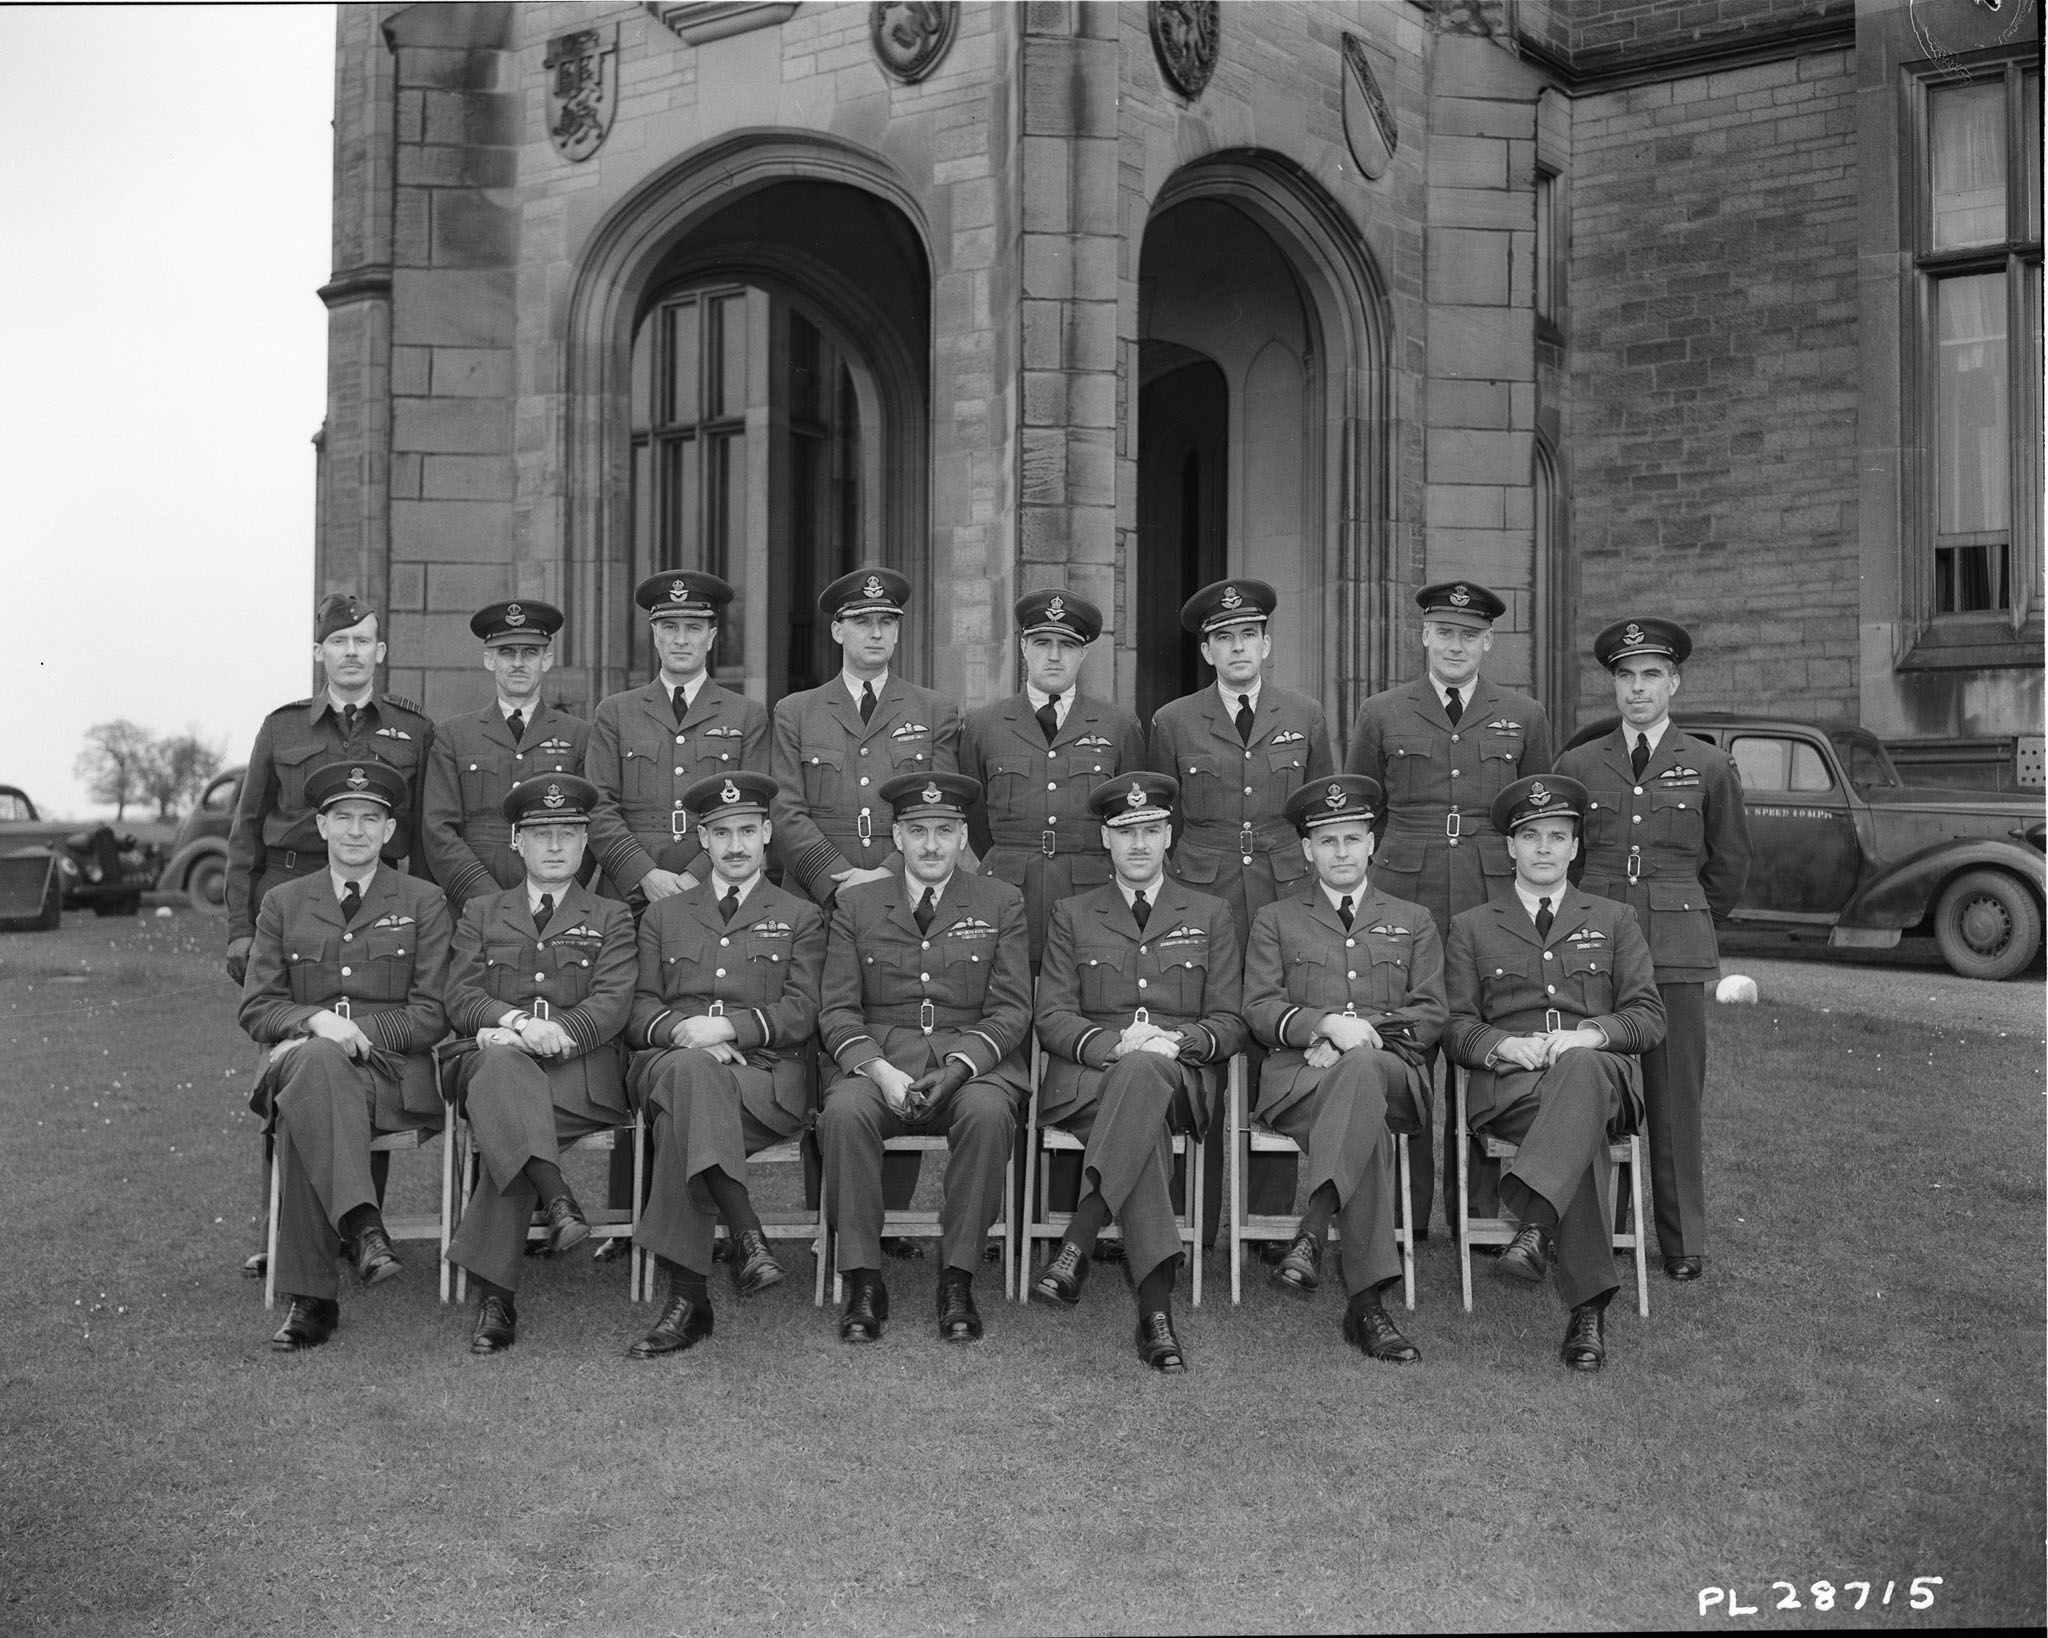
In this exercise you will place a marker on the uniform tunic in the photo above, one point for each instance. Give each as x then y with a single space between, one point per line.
521 1107
276 833
1099 970
642 760
1505 979
1387 968
474 763
1032 828
761 971
1673 845
389 964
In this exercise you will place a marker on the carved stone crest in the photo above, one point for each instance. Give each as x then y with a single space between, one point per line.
583 93
1185 34
910 36
1368 121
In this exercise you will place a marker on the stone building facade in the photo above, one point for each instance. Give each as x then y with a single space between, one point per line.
1729 310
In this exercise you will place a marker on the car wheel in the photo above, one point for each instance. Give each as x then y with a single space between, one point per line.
52 913
1987 925
206 885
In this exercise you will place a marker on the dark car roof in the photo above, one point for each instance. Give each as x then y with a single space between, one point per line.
1601 726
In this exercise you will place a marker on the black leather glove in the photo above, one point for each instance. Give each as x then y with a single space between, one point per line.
933 1087
238 958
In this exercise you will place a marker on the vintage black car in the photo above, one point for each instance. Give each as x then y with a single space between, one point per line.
198 865
1839 842
46 864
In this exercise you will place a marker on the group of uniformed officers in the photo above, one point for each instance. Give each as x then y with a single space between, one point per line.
590 928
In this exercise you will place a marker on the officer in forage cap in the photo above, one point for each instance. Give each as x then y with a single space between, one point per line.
1442 747
1039 752
1666 834
273 838
1343 983
481 756
549 1066
347 970
1138 1014
1553 1002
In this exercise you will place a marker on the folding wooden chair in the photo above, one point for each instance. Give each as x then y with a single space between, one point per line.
778 1225
413 1227
914 1224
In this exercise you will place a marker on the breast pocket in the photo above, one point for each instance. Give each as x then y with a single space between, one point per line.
1286 766
571 963
644 778
968 961
378 963
824 778
1500 758
1182 982
1676 819
1104 988
483 781
1387 972
1411 764
1309 983
765 961
913 755
1604 824
1504 993
1589 971
508 971
294 763
309 968
402 754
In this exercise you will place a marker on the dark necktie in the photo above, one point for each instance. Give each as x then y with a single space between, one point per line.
679 702
547 909
1140 909
867 702
728 904
1543 919
1344 912
1639 758
1048 716
350 715
1454 707
351 901
927 907
1243 719
517 723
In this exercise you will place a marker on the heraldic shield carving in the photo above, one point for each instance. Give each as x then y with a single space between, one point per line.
910 36
1185 34
1368 121
583 89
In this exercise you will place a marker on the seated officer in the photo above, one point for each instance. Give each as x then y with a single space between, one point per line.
726 1011
1552 1000
345 977
542 976
927 1001
1346 985
1138 1012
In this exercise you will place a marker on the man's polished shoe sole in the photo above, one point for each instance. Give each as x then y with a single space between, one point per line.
1684 1268
683 1324
309 1322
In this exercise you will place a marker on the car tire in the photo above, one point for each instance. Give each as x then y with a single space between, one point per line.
1987 924
206 885
52 913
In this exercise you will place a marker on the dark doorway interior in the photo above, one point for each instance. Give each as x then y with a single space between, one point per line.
1183 427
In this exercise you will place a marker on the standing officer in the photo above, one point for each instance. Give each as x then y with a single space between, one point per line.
542 978
345 977
1345 985
478 758
275 837
726 1011
1666 834
1138 1009
1443 747
1239 750
1038 754
1552 999
927 1002
650 744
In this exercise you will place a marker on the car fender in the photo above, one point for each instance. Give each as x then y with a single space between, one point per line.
172 878
1903 895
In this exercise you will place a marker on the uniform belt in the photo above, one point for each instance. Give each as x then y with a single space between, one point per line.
1045 843
305 859
926 1015
1266 837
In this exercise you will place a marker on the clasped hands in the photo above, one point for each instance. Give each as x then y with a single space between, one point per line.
1146 1037
915 1099
329 1026
707 1034
1543 1050
542 1037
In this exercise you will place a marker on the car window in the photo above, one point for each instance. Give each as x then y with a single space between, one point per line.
14 809
1869 768
1810 768
219 798
1769 762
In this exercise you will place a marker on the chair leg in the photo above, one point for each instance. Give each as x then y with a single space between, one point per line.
275 1215
1636 1188
1195 1219
1464 1191
1234 1167
638 1285
447 1200
467 1176
1032 1210
1406 1207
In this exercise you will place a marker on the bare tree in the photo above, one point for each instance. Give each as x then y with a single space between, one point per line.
178 770
115 762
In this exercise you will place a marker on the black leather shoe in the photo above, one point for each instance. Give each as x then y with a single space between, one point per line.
497 1326
1527 1256
1158 1347
1585 1339
1271 1252
310 1322
1107 1251
867 1311
614 1246
567 1226
683 1324
959 1319
1063 1277
1368 1328
754 1268
1684 1268
1300 1269
375 1261
255 1267
721 1251
904 1251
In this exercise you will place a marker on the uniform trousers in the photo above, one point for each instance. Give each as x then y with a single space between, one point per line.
698 1119
1127 1129
979 1122
328 1109
1674 1087
514 1117
1559 1122
1342 1127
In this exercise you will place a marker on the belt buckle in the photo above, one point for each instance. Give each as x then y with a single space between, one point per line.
1141 1016
678 823
1350 1009
291 860
341 1009
715 1010
1635 867
1454 826
864 826
1552 1019
541 1009
927 1016
1245 842
1047 839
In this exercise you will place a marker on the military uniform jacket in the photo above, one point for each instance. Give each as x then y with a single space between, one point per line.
829 765
474 762
1302 962
1183 970
1505 979
581 964
1437 844
761 971
642 760
1231 793
390 964
1033 828
272 817
963 988
1674 846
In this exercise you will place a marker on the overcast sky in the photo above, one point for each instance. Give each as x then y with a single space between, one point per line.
164 214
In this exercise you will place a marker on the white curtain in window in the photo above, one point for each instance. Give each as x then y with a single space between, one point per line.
1972 472
1966 128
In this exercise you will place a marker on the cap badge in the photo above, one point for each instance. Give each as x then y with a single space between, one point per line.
1137 798
514 615
679 591
1230 598
932 794
873 588
1460 596
554 797
1336 797
730 792
358 780
1634 634
1538 793
1056 609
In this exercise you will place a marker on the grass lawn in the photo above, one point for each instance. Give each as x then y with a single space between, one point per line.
1855 1393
